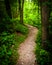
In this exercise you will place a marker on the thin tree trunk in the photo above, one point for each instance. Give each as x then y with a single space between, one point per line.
21 4
19 1
22 9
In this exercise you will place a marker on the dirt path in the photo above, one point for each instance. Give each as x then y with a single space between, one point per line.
27 56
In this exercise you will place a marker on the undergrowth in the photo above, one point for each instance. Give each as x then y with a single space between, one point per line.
10 40
31 14
43 56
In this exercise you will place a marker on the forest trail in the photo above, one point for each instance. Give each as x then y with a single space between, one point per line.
27 56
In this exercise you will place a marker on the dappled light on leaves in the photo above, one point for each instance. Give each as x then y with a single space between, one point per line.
15 18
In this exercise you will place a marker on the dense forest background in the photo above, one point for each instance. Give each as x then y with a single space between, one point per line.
14 15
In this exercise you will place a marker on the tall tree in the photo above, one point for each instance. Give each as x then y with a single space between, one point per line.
21 5
8 8
45 21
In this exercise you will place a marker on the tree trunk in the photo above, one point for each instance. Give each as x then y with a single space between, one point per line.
21 4
22 9
8 8
45 24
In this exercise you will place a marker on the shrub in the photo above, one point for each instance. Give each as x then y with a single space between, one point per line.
8 54
43 56
21 28
6 42
38 40
6 25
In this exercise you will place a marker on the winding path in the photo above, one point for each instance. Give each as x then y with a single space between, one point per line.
27 56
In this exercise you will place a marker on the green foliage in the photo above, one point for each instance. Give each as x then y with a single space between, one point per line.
5 38
12 1
50 26
10 41
6 41
19 38
43 56
31 15
38 40
6 25
21 28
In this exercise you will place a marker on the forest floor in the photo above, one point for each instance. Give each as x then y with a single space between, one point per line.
26 49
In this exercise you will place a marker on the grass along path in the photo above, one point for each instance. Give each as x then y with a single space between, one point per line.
27 56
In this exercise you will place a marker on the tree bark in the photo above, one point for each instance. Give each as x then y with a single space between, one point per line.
21 4
45 24
8 8
22 9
